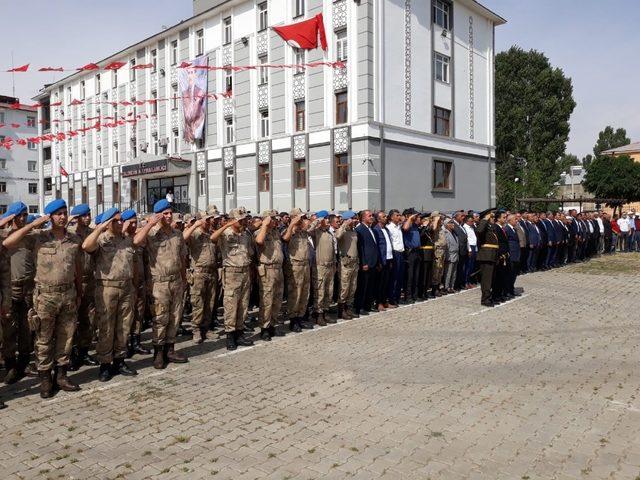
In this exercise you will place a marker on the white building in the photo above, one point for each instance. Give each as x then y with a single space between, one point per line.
408 122
18 165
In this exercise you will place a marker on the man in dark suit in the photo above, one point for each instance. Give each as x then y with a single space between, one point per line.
608 232
544 241
385 252
369 259
487 255
551 240
502 274
514 253
535 240
572 242
560 240
463 248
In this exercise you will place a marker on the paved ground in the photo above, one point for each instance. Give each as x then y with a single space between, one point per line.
543 387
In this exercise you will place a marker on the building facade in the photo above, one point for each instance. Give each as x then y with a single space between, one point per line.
409 120
19 165
633 151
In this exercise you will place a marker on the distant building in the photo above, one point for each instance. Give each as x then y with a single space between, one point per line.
571 187
632 150
18 166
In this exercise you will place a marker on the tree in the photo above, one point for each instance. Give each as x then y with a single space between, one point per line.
586 160
567 160
533 104
613 177
608 139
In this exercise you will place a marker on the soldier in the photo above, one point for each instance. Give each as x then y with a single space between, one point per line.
439 253
487 255
114 257
348 251
58 292
236 244
323 241
167 255
297 270
270 275
203 275
87 310
130 227
427 249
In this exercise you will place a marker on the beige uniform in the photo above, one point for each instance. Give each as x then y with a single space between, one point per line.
87 309
140 289
348 251
55 297
114 260
270 278
298 274
237 254
326 268
166 253
440 253
203 278
5 278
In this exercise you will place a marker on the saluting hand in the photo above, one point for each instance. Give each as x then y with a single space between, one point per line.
296 220
200 222
40 221
155 219
266 222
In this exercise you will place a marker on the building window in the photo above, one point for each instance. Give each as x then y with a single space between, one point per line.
48 184
3 164
99 195
154 102
85 195
200 42
99 157
228 80
3 187
174 52
301 173
97 83
33 188
441 118
132 72
342 108
31 121
3 209
154 60
264 71
263 178
298 7
33 209
202 183
175 142
230 181
263 16
116 192
229 130
82 90
174 97
300 116
264 124
32 166
299 59
442 14
114 79
442 175
116 153
342 52
342 169
227 30
441 67
31 145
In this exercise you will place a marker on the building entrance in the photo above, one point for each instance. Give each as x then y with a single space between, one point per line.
158 188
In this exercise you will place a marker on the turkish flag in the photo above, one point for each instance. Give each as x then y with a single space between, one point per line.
75 102
89 66
142 66
114 66
51 69
304 34
63 171
23 68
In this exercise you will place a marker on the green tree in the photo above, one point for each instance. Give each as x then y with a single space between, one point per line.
608 138
586 160
614 177
567 160
533 104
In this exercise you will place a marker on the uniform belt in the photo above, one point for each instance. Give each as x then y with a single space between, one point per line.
273 266
114 283
55 288
237 269
165 278
350 257
207 270
427 247
490 245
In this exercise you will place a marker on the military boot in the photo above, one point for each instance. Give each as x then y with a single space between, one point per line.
85 358
319 319
274 331
130 349
174 357
241 340
63 381
158 357
305 324
231 341
199 335
74 361
105 372
138 347
13 374
346 313
265 334
294 324
328 319
120 366
46 384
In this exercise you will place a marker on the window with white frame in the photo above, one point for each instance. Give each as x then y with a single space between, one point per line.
228 80
175 142
442 14
264 123
298 8
132 71
116 153
154 102
200 42
230 181
82 90
226 28
174 97
32 166
229 130
99 157
3 187
69 95
31 145
114 79
441 67
202 183
31 121
342 52
299 116
33 209
154 60
97 83
33 188
299 59
264 71
263 16
174 52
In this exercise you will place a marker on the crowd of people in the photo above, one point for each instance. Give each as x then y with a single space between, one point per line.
69 281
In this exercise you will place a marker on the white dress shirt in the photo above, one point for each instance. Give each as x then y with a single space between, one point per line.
623 223
471 236
388 242
396 237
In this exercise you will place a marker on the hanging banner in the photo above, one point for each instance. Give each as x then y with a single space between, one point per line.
193 82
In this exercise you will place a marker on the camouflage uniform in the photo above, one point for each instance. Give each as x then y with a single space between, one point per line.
5 286
270 278
298 274
114 295
140 289
237 254
348 250
325 265
204 277
87 310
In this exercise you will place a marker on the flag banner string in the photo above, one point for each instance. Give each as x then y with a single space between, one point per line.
115 66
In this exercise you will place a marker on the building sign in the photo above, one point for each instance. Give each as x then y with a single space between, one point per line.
145 168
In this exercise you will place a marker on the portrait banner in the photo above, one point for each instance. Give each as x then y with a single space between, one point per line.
193 83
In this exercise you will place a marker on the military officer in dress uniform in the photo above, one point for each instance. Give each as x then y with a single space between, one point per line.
237 247
114 256
58 292
487 254
347 239
167 254
427 249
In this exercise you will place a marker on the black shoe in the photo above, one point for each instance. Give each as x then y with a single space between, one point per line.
86 359
294 325
248 327
74 361
123 369
265 335
241 340
488 303
275 332
231 341
362 312
105 372
138 348
330 320
305 324
13 373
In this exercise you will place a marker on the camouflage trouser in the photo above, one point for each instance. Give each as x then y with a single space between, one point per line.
348 280
16 334
298 278
270 283
324 286
54 322
139 304
237 283
166 308
86 315
114 315
203 296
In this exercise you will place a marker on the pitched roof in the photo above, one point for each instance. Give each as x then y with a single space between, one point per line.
631 148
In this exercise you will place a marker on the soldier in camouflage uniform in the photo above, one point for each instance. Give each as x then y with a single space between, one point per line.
270 276
167 254
114 255
348 249
323 241
58 291
5 280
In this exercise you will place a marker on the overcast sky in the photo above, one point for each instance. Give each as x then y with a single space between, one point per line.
594 42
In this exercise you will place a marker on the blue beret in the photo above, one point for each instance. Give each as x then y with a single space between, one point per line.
98 219
322 214
53 207
127 215
349 214
31 218
109 214
16 208
80 210
161 206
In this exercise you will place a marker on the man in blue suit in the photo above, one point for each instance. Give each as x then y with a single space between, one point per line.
369 258
551 240
514 253
534 242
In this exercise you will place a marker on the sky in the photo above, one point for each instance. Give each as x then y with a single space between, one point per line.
594 42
